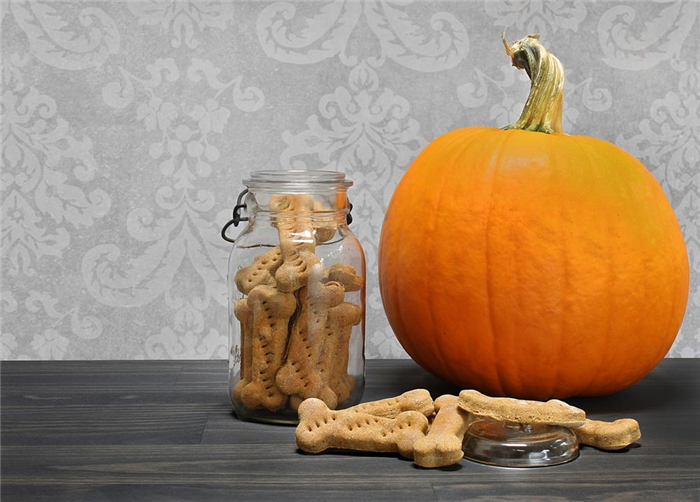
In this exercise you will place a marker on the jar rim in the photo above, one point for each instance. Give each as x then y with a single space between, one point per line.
296 179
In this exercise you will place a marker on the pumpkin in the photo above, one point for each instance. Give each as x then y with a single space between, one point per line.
530 263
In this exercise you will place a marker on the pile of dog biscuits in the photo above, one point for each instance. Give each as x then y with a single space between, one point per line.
432 432
295 322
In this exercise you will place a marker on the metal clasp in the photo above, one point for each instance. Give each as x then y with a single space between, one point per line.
236 217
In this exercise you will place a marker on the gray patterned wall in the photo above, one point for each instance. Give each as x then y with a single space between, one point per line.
128 126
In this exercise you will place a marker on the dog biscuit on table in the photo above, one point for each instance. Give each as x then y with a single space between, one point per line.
521 411
608 435
442 446
413 400
320 429
401 424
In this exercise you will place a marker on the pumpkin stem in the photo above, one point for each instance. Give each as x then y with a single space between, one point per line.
544 105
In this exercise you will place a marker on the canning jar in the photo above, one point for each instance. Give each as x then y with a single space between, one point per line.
296 281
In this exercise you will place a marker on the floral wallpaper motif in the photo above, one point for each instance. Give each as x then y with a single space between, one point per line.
128 127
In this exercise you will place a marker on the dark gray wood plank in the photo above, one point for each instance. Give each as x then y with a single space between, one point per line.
42 374
164 430
103 424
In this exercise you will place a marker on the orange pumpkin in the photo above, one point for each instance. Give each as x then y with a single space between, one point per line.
530 263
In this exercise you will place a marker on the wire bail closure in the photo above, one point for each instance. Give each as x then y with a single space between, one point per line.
236 218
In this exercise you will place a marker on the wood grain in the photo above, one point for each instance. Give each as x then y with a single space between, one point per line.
163 431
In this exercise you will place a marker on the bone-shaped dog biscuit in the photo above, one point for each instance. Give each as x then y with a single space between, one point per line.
521 411
245 317
608 435
324 233
325 225
413 400
320 429
346 275
442 446
300 375
297 241
336 350
272 310
261 271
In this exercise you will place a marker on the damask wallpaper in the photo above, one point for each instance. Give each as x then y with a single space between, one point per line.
128 126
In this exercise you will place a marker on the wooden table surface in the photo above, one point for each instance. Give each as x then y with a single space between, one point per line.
163 430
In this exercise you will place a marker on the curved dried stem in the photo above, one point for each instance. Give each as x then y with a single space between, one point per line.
544 105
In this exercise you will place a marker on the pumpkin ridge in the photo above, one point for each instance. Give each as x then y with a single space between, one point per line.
563 258
431 299
398 324
603 360
605 375
603 367
467 137
680 269
442 351
388 286
495 166
685 266
476 374
670 322
398 311
644 283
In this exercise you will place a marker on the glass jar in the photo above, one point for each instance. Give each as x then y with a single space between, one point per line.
296 297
